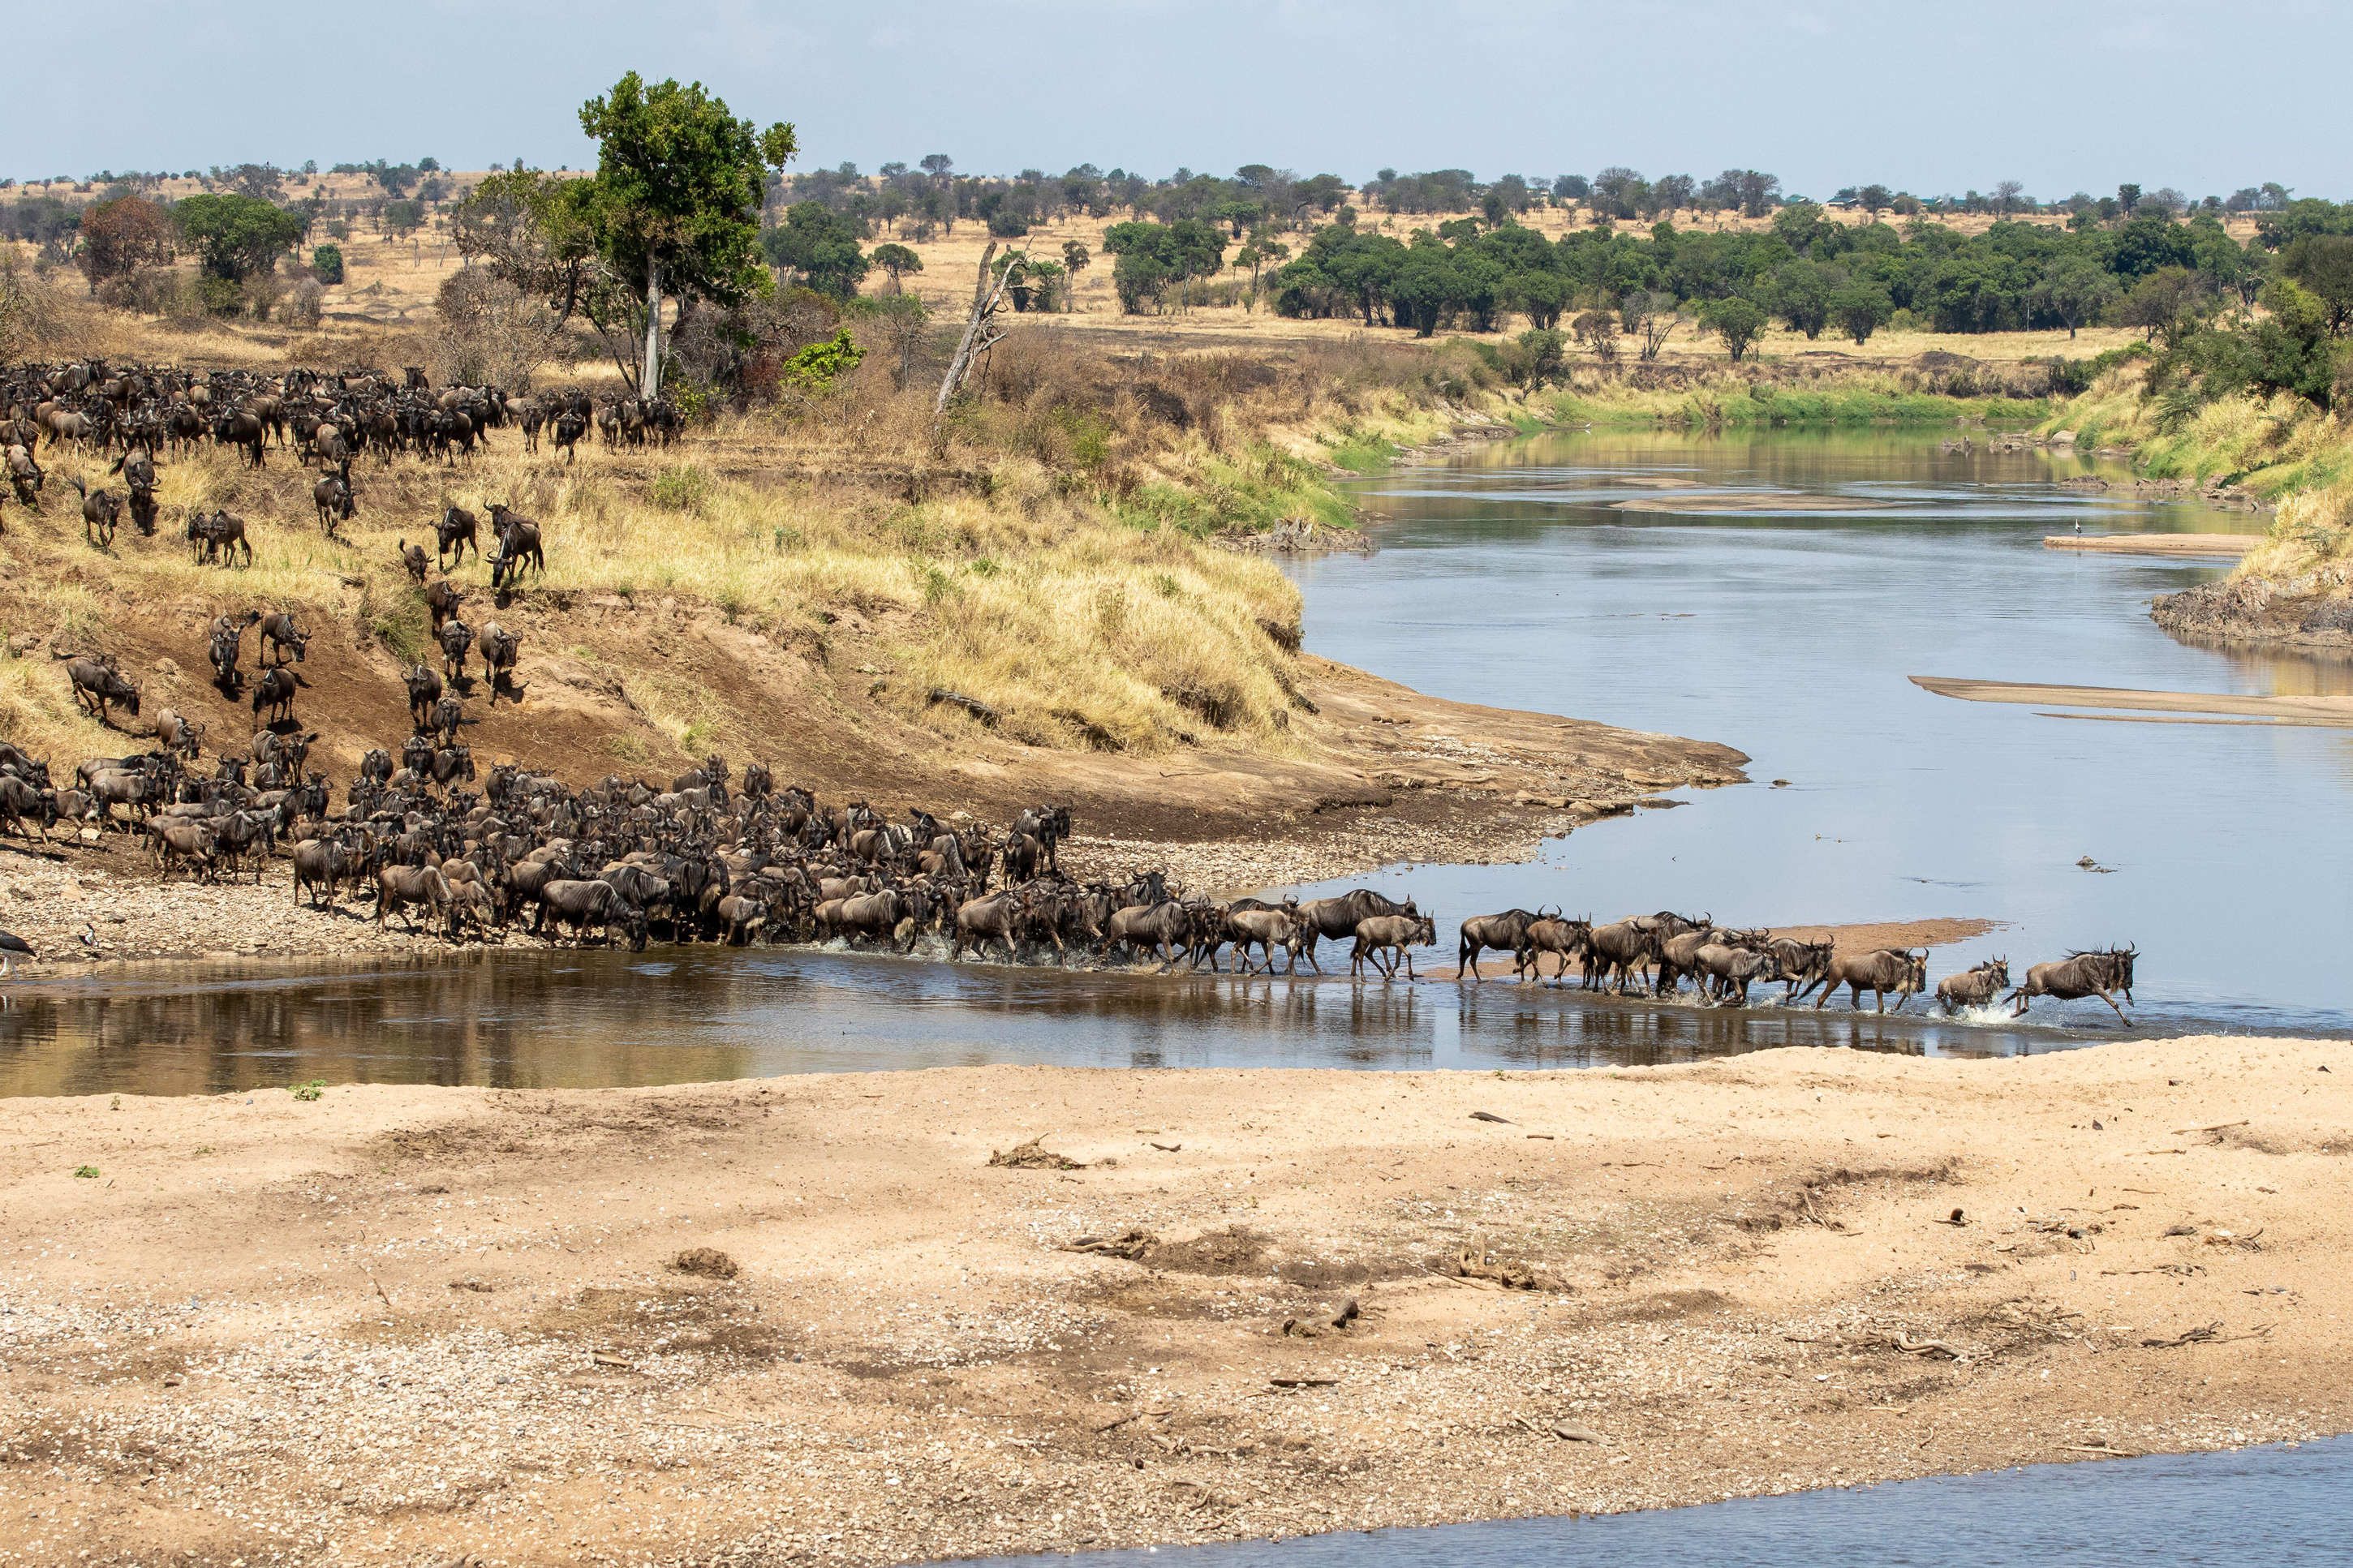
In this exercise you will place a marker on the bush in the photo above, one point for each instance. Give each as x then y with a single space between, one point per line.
327 264
681 488
219 297
308 305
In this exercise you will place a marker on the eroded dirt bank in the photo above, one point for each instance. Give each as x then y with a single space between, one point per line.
411 1325
2243 611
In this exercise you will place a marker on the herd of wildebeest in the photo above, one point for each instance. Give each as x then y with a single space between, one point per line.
710 858
145 414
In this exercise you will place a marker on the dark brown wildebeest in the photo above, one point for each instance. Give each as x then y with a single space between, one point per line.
1338 917
332 496
441 600
219 536
1163 929
1024 858
98 513
1619 950
1976 988
1564 938
21 799
2081 975
1732 969
1889 969
872 914
412 561
457 529
1503 932
423 691
456 637
500 647
98 686
1048 824
1804 964
238 428
1396 935
278 633
319 863
179 839
398 887
449 714
519 546
713 771
275 690
581 905
997 917
569 428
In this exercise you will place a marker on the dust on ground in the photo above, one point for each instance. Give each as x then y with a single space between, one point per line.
411 1325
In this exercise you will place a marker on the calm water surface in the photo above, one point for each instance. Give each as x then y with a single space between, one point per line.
1513 578
2278 1507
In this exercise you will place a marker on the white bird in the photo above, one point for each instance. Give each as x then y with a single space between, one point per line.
88 934
10 942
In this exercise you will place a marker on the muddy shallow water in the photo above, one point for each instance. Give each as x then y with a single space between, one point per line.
1512 576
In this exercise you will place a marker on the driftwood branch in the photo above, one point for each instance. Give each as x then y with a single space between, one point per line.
979 335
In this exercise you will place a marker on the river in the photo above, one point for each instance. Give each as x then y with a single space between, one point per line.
1513 576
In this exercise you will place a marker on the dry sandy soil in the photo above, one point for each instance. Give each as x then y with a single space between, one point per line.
428 1326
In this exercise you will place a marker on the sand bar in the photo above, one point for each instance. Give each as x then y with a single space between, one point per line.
2185 544
411 1324
2326 712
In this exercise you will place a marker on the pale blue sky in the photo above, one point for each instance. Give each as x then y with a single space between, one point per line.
1822 92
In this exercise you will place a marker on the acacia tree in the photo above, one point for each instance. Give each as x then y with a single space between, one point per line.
122 235
676 198
896 261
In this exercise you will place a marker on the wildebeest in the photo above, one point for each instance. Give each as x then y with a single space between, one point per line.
1620 950
238 428
275 690
2079 974
412 561
332 496
1338 917
1564 938
442 599
218 537
1804 964
174 733
278 633
569 428
1265 929
398 887
21 799
499 649
24 475
1163 929
448 713
98 686
319 863
995 917
1048 824
581 905
1731 970
1396 935
741 917
423 691
518 545
1503 932
456 638
1889 969
456 530
1976 988
227 641
98 513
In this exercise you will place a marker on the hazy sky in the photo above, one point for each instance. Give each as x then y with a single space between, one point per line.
2081 94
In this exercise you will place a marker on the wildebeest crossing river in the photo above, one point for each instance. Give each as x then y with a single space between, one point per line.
1513 578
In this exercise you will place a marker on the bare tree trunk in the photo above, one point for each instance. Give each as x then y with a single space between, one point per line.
650 385
987 300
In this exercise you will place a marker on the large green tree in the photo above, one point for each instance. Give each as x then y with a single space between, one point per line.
237 236
2322 265
676 197
821 246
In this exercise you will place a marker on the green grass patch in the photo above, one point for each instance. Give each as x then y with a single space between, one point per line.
1251 493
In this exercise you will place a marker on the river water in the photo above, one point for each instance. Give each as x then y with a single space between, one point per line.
2280 1507
1514 576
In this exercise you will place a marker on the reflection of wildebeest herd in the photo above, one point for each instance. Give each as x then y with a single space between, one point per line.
1658 952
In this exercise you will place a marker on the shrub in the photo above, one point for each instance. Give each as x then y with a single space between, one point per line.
681 488
327 264
308 305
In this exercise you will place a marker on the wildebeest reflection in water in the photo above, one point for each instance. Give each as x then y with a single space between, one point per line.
573 1019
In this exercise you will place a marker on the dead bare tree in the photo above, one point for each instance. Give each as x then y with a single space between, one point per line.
980 334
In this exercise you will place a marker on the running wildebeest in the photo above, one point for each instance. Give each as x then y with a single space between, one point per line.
98 513
2080 975
1889 969
458 530
1731 970
1163 929
98 686
423 691
1977 988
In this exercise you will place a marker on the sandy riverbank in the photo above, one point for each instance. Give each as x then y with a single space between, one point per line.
413 1325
